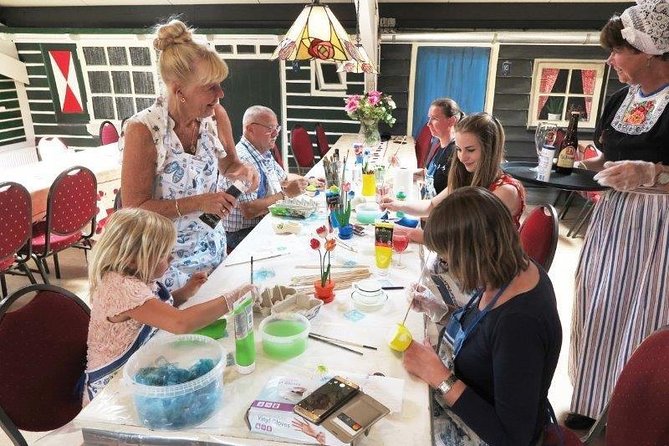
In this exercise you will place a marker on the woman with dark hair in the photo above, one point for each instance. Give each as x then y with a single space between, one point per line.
444 113
498 353
621 293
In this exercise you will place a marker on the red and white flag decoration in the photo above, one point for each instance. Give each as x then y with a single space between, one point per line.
67 84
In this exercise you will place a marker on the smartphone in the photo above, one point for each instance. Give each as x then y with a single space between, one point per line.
235 189
322 402
355 417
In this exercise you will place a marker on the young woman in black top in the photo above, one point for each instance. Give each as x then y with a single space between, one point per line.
500 351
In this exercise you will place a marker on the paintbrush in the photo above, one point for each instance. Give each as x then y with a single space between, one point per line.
354 344
312 336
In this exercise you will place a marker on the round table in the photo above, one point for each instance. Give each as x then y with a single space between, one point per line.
578 180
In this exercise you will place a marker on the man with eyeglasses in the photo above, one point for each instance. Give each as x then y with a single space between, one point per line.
261 129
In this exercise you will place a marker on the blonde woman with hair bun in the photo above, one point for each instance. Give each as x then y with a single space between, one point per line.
175 150
128 303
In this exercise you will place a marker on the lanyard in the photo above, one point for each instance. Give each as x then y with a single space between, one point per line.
463 334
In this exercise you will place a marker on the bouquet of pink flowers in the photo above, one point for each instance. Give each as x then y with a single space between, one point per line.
373 105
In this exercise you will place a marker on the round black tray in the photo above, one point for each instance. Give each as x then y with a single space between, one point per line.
578 180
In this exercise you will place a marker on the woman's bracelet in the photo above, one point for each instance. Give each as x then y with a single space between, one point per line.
176 206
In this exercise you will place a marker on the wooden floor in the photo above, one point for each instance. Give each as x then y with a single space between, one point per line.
73 270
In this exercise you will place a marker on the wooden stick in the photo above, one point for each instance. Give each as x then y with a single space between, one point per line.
331 266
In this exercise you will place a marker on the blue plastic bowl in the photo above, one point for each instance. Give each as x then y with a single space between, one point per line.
182 405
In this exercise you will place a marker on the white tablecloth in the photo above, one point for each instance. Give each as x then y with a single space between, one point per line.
38 177
113 411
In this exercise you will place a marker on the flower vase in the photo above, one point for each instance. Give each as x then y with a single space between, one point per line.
324 293
346 232
369 132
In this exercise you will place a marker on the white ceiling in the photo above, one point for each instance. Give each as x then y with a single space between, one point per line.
46 3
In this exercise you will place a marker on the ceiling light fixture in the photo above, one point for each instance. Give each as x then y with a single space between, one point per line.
316 34
363 64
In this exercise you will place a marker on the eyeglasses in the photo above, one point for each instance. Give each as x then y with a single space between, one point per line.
271 129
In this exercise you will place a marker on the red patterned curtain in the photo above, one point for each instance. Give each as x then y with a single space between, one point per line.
588 78
548 78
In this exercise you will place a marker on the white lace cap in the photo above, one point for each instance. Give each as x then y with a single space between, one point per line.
646 26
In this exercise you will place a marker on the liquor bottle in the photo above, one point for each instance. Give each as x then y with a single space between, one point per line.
567 152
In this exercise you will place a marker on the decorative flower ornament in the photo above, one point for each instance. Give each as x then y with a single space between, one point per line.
329 246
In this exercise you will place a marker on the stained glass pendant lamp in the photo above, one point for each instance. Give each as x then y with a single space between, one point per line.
316 34
363 64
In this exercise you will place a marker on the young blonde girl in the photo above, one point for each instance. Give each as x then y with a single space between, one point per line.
128 305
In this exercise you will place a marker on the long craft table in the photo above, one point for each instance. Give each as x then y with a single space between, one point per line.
38 177
110 418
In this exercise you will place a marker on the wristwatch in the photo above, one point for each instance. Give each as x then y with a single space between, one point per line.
447 384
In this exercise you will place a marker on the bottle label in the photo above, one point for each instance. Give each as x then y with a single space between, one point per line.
566 157
243 321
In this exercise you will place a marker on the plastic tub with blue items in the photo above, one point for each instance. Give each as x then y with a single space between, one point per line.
176 381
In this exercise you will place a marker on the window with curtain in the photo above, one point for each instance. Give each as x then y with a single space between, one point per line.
560 87
121 80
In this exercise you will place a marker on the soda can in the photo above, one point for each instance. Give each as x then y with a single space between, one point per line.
545 162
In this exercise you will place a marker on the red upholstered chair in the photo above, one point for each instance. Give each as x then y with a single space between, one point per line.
423 145
321 140
276 153
302 148
42 359
108 133
639 407
591 198
15 230
539 235
71 207
638 411
557 435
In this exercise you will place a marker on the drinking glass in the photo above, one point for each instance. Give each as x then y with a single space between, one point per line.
400 243
546 133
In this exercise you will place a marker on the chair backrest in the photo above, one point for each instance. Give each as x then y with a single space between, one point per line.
639 406
321 140
72 201
423 145
15 222
276 153
539 235
108 133
42 358
50 148
300 144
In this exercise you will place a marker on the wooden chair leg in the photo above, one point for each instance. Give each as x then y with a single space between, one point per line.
3 284
56 265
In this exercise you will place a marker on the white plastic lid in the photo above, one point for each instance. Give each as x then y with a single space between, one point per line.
246 369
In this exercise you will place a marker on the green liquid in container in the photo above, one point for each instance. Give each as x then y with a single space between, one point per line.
215 330
245 345
283 329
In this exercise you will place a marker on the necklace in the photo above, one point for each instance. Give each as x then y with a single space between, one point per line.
194 138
